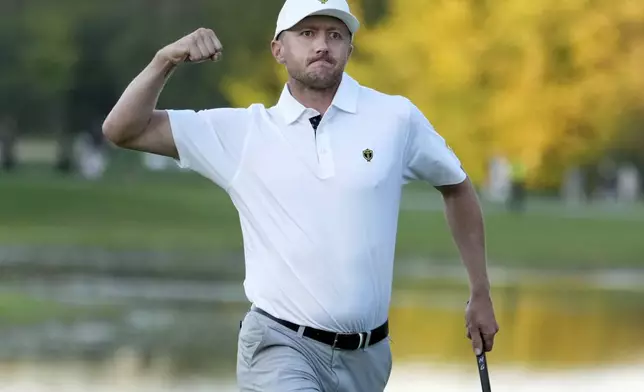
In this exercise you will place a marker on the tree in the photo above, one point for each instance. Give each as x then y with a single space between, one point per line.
543 82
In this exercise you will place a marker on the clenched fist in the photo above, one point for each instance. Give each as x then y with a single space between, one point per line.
196 47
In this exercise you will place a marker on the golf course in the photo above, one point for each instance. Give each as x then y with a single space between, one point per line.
131 209
165 248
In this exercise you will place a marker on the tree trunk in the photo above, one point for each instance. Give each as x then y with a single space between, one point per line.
7 143
65 136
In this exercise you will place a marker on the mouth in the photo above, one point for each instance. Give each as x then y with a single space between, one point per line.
322 61
322 64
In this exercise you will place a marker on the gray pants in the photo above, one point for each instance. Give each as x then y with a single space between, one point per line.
272 358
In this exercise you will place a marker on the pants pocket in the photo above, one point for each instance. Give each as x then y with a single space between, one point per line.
252 336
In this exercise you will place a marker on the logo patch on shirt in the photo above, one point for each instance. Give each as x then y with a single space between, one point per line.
323 1
367 154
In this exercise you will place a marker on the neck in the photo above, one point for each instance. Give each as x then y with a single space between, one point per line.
318 99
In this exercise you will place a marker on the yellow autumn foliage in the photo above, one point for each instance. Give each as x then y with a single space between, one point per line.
545 82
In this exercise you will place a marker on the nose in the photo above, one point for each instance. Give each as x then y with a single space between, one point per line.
320 45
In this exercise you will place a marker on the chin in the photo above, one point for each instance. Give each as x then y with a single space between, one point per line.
324 80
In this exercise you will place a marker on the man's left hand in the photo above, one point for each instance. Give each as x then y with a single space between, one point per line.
480 322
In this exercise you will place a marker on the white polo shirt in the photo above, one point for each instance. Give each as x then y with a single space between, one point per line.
318 211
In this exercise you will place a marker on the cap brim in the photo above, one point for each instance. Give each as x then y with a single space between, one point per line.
351 21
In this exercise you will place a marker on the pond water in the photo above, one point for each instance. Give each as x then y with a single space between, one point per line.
163 335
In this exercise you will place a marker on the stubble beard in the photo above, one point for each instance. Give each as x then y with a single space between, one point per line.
319 80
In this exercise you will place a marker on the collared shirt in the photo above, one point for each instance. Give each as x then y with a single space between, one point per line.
318 210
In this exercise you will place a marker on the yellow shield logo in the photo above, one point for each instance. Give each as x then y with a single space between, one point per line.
367 154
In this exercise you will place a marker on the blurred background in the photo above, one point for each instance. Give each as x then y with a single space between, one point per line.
118 271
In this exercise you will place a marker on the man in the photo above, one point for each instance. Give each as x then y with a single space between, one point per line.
317 181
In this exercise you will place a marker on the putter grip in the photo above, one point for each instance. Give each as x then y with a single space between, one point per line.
481 363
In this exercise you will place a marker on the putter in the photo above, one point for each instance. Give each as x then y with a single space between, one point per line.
481 362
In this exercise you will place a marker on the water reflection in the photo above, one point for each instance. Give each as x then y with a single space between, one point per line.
542 327
561 337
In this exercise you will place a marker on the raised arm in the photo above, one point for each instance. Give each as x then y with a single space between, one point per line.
134 123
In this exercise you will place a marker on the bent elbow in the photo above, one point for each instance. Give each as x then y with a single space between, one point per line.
108 130
113 133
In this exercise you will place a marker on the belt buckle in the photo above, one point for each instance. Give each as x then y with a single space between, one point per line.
364 338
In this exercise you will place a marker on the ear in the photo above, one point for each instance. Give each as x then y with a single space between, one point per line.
277 48
350 50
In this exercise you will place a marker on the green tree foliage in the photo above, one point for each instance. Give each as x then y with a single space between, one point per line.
68 61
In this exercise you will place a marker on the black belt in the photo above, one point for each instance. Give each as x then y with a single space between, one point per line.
343 341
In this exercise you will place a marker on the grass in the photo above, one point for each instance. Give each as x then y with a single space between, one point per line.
169 211
534 240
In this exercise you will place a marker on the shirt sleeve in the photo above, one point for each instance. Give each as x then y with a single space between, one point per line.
428 157
210 142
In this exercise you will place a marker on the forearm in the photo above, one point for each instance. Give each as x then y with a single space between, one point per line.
465 220
133 111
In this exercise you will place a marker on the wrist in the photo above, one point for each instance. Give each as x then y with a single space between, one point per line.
481 289
161 63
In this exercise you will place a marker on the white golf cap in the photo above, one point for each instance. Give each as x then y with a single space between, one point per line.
294 11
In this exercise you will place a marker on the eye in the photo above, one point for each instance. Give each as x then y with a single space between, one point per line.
336 35
307 33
